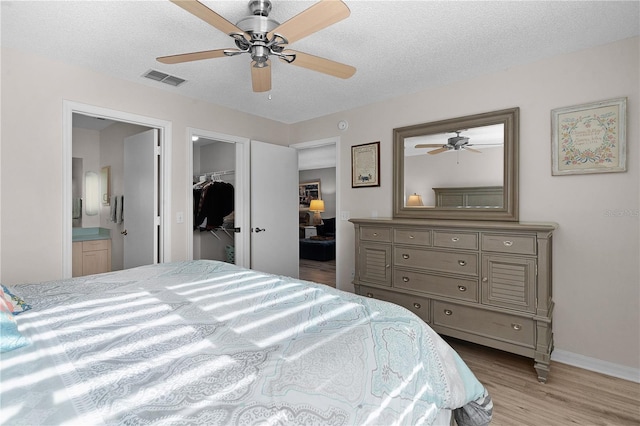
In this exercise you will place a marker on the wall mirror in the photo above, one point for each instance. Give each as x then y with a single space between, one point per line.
460 168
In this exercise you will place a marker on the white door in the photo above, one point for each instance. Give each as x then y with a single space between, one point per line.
140 215
274 209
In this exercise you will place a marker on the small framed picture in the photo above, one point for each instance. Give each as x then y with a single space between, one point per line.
589 138
365 165
308 191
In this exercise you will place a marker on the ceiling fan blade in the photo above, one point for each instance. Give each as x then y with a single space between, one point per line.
209 16
315 18
438 151
428 145
316 63
261 77
466 148
195 56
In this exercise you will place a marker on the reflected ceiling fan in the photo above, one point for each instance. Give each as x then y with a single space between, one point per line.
455 143
262 37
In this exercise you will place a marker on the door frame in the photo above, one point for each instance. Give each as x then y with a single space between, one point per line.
242 206
164 191
335 141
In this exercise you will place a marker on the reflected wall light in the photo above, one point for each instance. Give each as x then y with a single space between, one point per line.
414 200
92 193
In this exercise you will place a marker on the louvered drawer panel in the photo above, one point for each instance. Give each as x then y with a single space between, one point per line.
375 263
498 325
509 282
416 304
435 260
458 288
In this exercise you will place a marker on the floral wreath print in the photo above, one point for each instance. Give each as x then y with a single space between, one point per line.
604 153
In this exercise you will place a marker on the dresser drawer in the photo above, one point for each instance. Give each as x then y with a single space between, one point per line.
435 260
412 236
372 233
94 245
505 243
505 327
461 240
457 288
416 304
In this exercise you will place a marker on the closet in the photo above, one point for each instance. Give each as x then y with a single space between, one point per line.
213 200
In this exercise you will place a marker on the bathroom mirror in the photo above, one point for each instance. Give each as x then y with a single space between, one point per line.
105 185
459 168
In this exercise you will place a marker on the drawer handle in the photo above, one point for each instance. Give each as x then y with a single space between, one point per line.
462 288
507 243
375 234
417 305
448 312
387 266
462 262
516 327
455 239
485 279
411 237
405 279
369 294
405 256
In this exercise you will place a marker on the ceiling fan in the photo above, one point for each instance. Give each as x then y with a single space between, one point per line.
455 143
262 37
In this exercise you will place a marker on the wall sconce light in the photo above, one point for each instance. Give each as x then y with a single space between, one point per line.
92 193
414 200
316 206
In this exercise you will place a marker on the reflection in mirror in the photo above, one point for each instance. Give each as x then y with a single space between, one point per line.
105 185
476 162
462 168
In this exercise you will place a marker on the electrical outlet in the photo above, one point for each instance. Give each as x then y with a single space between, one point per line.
180 217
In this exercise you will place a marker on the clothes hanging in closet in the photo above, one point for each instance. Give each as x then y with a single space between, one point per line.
212 201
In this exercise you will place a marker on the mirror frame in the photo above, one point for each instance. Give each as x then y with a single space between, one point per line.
510 118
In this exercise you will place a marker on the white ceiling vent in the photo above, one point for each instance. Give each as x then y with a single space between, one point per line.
164 78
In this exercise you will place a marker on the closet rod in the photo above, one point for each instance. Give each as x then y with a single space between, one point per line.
216 174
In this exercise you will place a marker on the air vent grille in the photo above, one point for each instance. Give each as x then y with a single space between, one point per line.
171 80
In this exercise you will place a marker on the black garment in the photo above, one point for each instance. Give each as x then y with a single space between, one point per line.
217 203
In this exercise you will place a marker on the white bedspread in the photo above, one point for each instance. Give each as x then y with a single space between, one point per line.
209 343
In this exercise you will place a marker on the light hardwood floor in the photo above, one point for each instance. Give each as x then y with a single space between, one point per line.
571 396
318 272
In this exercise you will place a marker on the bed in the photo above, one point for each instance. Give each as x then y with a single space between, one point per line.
209 343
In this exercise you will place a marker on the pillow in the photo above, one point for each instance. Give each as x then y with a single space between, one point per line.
17 304
328 227
10 337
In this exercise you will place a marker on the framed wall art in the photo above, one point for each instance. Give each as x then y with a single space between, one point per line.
308 191
365 165
589 138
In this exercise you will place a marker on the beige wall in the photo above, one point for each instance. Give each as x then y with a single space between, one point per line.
32 152
596 252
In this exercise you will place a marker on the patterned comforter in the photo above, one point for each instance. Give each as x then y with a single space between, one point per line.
209 343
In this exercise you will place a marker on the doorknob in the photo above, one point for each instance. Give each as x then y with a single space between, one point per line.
124 232
260 229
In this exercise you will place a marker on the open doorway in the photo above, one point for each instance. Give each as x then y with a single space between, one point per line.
318 210
160 183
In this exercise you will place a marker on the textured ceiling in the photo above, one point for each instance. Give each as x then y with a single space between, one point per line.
398 47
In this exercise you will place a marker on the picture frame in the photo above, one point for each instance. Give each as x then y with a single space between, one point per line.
589 138
365 165
308 191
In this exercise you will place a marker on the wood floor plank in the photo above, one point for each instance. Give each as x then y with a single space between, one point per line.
571 396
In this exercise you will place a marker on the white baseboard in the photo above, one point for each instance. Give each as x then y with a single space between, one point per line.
599 366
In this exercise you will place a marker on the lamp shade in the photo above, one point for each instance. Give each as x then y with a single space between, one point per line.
414 200
316 206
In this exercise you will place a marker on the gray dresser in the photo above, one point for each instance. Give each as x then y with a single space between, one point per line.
484 282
